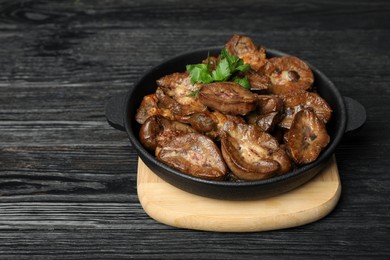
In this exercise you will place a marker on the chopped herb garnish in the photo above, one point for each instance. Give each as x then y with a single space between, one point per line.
226 68
243 82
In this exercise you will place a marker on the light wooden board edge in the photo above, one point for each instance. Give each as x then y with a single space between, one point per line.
172 206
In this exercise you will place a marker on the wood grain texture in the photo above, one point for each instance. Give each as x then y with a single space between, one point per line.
174 207
68 180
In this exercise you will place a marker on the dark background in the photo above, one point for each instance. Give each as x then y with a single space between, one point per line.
68 180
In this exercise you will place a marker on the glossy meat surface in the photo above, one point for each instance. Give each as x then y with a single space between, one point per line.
158 130
193 154
258 81
147 108
175 94
296 101
307 137
227 97
252 154
244 48
268 112
266 122
288 74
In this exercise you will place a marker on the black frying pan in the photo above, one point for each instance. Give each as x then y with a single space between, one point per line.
348 115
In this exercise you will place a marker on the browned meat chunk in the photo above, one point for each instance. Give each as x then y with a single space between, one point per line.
227 97
244 48
175 94
202 121
258 81
268 113
306 137
220 119
147 108
269 103
193 154
288 74
209 123
158 130
296 101
266 122
252 154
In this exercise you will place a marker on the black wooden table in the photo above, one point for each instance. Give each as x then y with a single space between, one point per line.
68 180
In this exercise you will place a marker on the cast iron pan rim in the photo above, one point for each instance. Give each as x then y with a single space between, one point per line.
324 156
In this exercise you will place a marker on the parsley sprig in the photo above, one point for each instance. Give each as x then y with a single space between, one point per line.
226 70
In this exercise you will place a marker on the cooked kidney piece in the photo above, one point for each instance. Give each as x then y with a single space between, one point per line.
296 101
227 97
266 122
175 94
244 48
252 154
194 154
147 108
203 121
288 74
268 112
258 81
307 137
158 130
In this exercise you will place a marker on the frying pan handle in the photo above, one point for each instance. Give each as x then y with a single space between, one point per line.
356 114
114 111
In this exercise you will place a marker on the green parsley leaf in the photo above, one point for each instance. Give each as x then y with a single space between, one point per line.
243 82
235 63
222 72
232 60
225 69
199 73
242 67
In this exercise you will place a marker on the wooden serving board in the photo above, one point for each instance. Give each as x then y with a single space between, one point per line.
172 206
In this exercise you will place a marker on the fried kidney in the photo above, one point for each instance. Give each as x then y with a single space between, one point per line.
296 101
159 130
252 154
266 122
244 48
258 81
147 108
269 103
227 97
193 154
288 74
307 137
209 123
175 93
150 107
202 121
268 112
220 119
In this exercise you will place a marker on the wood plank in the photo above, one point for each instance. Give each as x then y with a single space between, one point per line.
172 206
